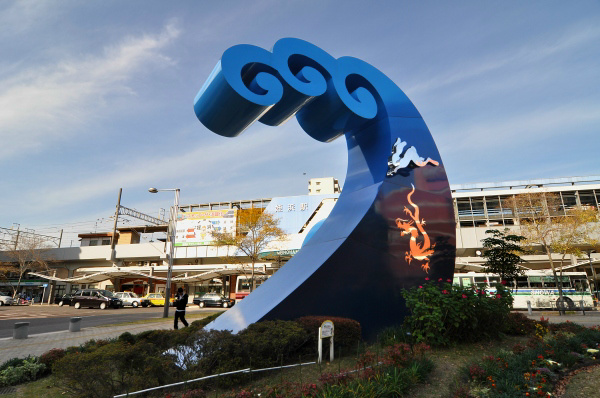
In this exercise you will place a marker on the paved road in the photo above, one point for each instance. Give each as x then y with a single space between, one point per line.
52 318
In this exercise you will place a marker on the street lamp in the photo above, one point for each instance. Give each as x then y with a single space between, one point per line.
172 221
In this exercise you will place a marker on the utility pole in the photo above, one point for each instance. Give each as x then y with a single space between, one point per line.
113 238
17 237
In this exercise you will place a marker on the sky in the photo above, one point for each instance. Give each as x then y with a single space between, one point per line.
98 95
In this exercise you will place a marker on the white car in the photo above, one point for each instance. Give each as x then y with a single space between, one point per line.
129 298
5 299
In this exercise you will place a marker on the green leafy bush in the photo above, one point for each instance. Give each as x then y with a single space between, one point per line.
114 368
347 331
517 324
567 326
14 362
27 370
268 343
215 351
48 358
262 344
443 314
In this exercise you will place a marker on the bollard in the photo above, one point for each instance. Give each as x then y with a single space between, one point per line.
529 308
21 330
582 307
75 324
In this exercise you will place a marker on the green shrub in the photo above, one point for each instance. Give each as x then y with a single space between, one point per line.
48 358
113 368
29 369
126 338
14 362
347 331
267 343
567 326
443 314
517 324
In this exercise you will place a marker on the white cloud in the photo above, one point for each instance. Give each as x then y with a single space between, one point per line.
534 51
531 127
20 15
42 104
202 165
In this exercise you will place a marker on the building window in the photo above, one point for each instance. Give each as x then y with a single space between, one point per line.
105 242
569 200
587 198
93 242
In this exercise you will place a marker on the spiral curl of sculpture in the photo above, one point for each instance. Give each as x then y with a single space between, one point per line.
296 78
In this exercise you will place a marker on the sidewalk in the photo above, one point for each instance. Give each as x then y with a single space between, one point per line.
591 318
40 343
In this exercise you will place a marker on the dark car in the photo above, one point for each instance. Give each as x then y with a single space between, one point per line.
65 299
213 300
95 298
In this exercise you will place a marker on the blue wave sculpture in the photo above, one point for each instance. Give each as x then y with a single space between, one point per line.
393 224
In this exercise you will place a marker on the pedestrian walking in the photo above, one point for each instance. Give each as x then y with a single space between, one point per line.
181 300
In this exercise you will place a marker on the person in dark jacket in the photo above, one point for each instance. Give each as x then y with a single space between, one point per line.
181 300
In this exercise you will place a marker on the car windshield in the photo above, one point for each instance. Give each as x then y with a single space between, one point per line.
106 293
134 295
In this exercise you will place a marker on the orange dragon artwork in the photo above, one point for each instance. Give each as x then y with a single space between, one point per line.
420 246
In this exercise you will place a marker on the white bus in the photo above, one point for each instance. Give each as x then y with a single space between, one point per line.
537 287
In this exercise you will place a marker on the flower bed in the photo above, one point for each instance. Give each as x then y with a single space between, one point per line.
534 370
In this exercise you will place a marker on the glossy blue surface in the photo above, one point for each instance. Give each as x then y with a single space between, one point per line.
393 224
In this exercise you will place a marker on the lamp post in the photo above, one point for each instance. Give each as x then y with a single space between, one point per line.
172 223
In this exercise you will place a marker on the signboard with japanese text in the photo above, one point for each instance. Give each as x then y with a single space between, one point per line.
326 329
196 228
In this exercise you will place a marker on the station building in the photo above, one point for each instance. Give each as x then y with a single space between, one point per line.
200 266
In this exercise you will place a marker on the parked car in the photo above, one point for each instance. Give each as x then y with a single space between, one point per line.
154 299
129 298
65 299
95 298
5 299
213 300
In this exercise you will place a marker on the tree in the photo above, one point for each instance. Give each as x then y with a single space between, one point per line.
502 254
578 230
546 223
255 229
30 253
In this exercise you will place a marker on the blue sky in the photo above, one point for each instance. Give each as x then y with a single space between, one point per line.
98 95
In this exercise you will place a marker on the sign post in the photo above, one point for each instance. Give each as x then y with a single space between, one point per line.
326 331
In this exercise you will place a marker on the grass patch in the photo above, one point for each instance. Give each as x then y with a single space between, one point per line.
45 387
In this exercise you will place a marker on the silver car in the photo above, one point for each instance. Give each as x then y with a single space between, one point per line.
5 299
129 298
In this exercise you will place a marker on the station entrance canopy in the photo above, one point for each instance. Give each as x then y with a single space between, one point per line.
106 274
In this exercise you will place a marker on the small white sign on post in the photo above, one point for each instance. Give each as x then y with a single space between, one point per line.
326 332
